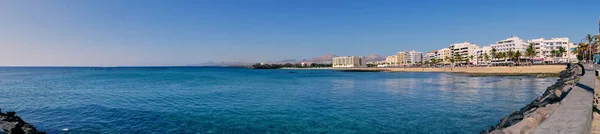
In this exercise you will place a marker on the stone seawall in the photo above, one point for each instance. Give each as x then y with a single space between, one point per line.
11 124
528 118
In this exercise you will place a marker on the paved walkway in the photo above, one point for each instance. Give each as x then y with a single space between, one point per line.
573 116
596 115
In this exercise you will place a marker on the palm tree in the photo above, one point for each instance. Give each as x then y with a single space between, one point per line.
553 54
494 53
479 59
561 51
518 54
509 55
590 39
582 50
502 55
452 60
579 51
446 59
470 58
486 57
530 52
458 58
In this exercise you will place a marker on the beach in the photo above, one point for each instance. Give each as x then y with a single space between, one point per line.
537 70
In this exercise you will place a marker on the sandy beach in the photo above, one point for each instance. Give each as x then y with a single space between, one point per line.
474 71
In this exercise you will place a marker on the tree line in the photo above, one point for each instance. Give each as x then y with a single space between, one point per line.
289 65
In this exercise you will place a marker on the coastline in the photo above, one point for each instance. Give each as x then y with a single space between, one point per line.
536 70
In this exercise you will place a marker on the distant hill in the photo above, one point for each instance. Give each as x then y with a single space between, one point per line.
323 58
326 58
375 57
212 63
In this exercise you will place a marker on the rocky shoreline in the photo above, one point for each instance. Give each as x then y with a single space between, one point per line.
539 75
526 119
11 124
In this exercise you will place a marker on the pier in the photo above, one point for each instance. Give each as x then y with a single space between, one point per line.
574 114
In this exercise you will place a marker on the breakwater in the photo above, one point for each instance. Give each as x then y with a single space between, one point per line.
11 124
528 118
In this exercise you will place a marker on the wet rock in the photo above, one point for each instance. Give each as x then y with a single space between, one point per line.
11 124
502 123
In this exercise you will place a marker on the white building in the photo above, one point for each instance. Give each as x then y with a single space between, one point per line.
391 60
429 56
465 49
543 48
413 57
443 53
512 43
349 61
480 52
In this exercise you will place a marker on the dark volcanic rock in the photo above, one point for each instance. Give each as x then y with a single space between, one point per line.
11 124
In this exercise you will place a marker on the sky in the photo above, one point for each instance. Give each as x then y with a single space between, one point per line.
182 32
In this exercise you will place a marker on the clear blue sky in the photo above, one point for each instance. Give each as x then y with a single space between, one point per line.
148 32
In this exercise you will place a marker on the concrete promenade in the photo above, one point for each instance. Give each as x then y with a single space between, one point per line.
574 115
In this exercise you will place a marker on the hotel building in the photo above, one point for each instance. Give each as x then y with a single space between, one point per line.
349 61
543 48
512 43
464 49
480 52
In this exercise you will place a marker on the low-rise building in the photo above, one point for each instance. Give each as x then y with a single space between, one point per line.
349 61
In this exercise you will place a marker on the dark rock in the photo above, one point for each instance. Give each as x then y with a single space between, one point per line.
514 119
10 114
11 124
502 123
490 129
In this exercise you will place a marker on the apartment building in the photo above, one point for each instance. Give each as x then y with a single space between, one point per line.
512 43
391 60
430 55
349 61
543 48
464 49
400 58
413 57
480 52
443 53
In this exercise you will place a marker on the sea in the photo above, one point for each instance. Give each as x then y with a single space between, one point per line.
240 100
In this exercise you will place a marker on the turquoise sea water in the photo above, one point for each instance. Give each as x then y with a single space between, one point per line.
237 100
